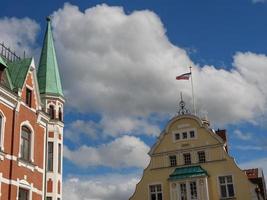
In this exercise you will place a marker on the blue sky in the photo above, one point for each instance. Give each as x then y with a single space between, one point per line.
118 61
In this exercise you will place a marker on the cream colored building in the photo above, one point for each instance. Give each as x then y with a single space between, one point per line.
190 161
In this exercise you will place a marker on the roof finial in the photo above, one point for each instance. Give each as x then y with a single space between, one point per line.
182 109
48 18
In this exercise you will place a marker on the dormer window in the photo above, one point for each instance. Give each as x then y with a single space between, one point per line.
51 112
28 97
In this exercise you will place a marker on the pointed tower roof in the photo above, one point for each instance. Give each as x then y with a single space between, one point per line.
48 73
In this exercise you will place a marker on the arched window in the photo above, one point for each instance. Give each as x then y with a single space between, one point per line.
60 115
25 148
51 112
1 132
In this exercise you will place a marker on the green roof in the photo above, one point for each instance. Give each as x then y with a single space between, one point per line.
48 73
18 71
2 62
188 172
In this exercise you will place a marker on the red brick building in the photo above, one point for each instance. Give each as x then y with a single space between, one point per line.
31 125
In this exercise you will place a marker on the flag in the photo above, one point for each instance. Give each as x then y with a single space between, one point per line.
185 76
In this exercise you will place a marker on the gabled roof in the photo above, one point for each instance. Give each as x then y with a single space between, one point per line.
48 73
189 116
18 71
187 172
2 62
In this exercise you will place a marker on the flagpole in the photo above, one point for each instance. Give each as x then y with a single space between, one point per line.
192 86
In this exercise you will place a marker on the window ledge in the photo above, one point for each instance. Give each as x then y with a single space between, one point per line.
27 164
228 198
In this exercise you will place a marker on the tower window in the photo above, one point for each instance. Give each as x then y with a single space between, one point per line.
51 112
28 97
60 115
59 158
50 156
25 144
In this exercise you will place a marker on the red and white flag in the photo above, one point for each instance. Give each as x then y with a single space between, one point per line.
185 76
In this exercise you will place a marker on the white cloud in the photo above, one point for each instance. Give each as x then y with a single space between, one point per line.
126 151
107 187
243 136
19 35
257 163
110 126
78 127
248 147
124 66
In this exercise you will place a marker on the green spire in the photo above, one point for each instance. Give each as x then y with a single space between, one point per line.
48 73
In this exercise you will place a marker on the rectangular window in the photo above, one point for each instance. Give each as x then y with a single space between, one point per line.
23 194
192 134
177 136
193 190
226 186
155 192
201 156
184 135
50 156
59 158
173 161
48 198
183 192
28 97
187 158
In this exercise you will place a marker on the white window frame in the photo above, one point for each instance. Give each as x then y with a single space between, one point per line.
29 126
190 158
181 131
2 144
219 186
170 161
188 189
153 184
26 186
205 154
